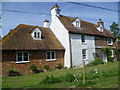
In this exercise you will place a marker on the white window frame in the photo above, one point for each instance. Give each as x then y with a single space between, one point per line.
37 38
85 54
77 24
112 53
110 41
22 61
51 56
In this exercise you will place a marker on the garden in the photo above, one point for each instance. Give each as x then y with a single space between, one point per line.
97 75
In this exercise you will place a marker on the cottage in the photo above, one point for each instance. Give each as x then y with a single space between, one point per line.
27 45
82 40
66 40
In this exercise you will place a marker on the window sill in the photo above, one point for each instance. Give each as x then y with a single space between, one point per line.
22 61
50 59
110 44
84 43
85 59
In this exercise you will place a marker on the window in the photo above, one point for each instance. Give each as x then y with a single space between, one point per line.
84 54
37 35
83 38
34 34
50 55
22 57
77 24
110 41
112 53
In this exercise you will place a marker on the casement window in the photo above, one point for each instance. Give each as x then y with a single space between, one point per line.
22 57
110 42
50 55
84 54
112 53
37 35
83 38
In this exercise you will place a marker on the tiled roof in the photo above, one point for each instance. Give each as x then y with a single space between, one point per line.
86 27
21 39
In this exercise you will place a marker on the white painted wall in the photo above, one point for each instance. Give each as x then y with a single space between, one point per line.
77 46
75 53
62 34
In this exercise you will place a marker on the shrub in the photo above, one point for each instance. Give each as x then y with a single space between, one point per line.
59 66
97 61
70 77
33 67
40 69
51 79
46 67
13 70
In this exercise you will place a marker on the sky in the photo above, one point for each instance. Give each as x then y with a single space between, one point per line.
12 19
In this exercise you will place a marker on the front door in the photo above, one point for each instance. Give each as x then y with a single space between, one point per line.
105 57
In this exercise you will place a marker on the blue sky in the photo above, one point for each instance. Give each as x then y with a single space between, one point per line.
12 19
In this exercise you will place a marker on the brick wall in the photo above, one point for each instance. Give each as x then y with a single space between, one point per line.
101 41
36 57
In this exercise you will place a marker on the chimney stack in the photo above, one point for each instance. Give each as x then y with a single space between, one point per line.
46 23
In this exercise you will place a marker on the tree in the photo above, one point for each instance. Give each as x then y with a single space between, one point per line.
115 30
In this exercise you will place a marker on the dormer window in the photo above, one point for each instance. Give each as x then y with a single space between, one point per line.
76 23
36 34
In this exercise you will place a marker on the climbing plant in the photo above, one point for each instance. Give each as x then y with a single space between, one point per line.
108 52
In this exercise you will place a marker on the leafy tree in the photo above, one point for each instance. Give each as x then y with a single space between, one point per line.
115 30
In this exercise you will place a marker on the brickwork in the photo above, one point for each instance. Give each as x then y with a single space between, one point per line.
36 57
101 41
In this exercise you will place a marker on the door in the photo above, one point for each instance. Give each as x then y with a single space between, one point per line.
105 57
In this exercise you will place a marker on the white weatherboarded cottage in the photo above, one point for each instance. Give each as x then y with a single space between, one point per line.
77 37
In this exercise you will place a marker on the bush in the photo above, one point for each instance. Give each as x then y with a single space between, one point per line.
13 70
33 67
46 67
70 77
59 66
51 79
97 61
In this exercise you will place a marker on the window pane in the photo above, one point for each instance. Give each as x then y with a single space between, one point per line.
25 58
19 54
38 35
19 58
83 38
48 55
84 54
53 55
25 54
34 34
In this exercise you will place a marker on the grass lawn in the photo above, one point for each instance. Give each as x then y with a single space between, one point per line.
33 80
